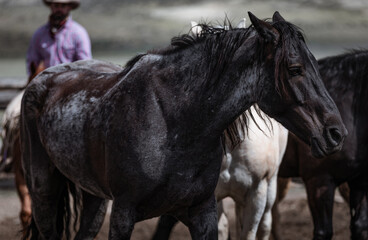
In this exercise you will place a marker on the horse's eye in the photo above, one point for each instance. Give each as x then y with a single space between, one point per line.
295 71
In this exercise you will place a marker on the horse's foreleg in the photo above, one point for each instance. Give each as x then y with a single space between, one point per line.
321 192
359 208
250 212
122 220
264 229
164 227
282 189
20 183
223 222
202 220
167 223
92 216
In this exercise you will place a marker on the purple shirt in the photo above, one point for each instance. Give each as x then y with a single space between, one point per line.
69 44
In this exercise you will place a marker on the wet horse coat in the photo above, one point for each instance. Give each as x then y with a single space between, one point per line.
148 137
11 139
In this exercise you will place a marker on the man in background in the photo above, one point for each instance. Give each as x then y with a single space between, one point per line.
60 40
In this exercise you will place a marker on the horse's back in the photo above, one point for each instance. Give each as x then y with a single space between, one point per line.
89 77
61 108
97 65
69 90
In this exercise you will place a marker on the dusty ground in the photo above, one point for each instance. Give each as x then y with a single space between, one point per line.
295 220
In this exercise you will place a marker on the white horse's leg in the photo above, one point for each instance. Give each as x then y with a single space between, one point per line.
223 222
223 227
249 214
265 226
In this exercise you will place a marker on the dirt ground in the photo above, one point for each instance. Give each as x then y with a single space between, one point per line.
295 217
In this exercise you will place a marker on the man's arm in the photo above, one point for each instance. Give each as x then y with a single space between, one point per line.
33 57
83 46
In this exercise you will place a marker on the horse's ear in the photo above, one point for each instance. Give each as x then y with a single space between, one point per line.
242 24
196 29
269 33
277 17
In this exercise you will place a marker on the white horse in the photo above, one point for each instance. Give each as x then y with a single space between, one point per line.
11 149
9 122
10 152
249 175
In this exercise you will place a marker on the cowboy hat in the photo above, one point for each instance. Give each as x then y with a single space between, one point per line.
74 3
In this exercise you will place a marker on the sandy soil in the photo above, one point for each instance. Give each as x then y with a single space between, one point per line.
295 219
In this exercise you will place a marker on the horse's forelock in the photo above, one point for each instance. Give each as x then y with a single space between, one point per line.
289 35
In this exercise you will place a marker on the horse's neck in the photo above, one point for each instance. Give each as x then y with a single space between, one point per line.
218 103
185 94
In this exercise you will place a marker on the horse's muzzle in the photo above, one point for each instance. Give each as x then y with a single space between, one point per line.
332 141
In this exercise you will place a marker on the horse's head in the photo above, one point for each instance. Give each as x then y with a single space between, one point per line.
292 90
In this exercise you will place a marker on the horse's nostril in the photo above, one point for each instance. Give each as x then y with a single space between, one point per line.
335 136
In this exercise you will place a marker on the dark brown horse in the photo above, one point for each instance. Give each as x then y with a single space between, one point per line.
346 78
149 137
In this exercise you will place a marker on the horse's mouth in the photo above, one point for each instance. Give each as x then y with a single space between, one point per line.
317 150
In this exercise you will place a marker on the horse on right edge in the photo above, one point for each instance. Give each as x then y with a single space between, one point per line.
346 79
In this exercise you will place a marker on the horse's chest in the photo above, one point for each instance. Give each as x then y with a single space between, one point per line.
181 191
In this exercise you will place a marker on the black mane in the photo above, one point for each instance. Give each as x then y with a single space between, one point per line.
350 70
220 44
288 32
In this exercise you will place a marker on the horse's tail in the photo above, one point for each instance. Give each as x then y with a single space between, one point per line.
65 214
32 105
69 213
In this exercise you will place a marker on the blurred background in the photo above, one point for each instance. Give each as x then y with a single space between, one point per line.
119 29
